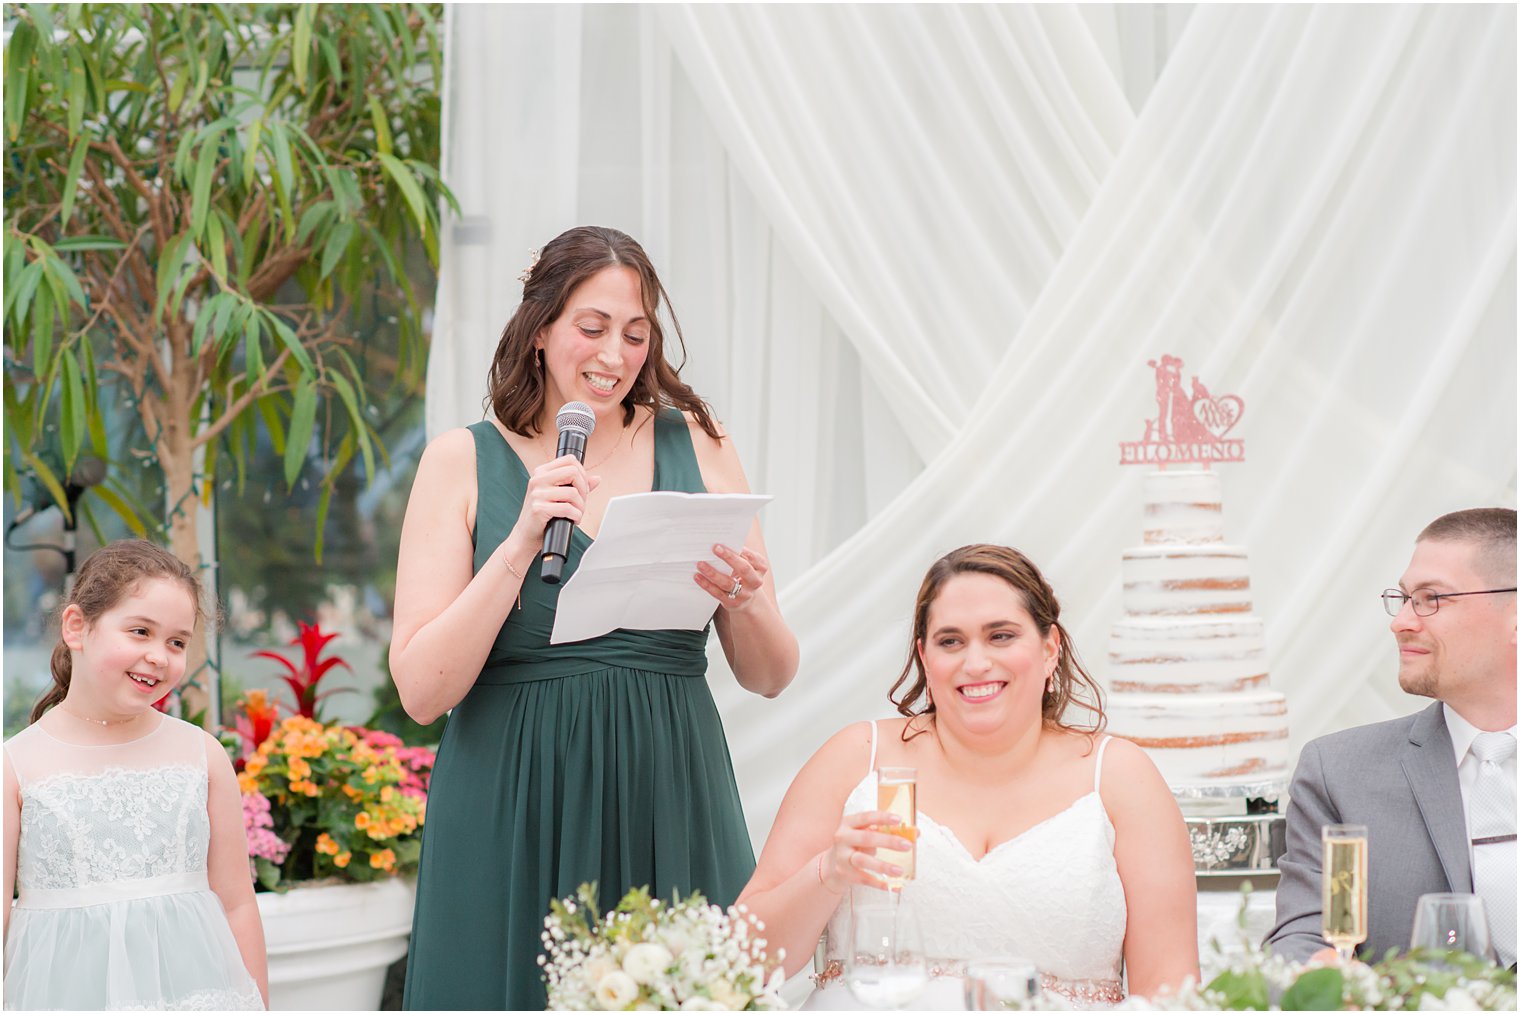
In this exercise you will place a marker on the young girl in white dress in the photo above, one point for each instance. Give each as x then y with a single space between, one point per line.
123 826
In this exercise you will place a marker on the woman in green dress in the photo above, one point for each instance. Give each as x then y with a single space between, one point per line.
602 760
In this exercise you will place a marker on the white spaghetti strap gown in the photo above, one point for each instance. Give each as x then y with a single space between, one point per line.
1051 896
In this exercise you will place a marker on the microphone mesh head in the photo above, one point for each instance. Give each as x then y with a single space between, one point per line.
577 416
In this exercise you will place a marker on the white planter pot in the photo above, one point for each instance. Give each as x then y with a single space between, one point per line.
329 945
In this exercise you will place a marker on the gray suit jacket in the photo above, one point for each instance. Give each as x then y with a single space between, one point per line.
1399 778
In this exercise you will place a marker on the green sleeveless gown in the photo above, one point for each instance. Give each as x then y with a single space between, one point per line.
602 760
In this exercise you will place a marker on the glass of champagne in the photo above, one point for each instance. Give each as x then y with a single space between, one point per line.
1343 887
1451 922
885 967
897 793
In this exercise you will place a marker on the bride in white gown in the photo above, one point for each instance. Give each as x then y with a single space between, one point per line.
1036 839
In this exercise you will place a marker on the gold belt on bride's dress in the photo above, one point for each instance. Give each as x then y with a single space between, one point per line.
1076 990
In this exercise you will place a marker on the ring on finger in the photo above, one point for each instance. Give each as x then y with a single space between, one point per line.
733 592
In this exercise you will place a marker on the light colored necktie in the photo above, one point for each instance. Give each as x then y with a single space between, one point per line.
1491 815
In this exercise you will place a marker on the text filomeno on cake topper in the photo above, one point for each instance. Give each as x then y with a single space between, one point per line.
1190 425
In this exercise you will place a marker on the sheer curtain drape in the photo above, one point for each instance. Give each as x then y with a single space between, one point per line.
921 255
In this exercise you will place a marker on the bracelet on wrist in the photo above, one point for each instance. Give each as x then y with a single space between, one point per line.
515 573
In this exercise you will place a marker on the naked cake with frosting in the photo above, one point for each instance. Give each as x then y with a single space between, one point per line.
1187 675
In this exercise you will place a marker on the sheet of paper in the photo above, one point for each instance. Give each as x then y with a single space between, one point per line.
637 574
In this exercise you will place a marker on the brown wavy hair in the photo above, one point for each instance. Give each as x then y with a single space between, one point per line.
110 574
516 388
1074 685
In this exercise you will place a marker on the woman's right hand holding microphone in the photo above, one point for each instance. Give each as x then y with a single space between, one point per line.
556 489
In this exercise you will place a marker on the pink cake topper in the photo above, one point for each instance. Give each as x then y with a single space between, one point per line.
1189 426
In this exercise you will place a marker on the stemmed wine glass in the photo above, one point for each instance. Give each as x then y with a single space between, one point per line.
1007 984
1343 890
885 966
1451 922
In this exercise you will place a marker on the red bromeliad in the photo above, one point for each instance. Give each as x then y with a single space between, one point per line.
303 680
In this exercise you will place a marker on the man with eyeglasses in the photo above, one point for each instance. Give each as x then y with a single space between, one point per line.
1436 789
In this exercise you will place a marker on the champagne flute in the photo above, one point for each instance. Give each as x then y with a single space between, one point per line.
1451 922
1343 887
885 966
897 793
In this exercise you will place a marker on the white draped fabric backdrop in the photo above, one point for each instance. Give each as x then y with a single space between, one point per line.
921 255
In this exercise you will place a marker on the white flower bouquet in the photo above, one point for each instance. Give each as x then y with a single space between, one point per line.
646 955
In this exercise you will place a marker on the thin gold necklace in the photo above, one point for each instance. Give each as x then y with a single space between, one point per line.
548 450
98 721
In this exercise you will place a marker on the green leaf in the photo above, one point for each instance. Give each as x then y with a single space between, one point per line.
49 481
76 93
71 424
284 172
272 423
398 171
122 510
18 64
251 153
216 242
335 247
220 332
303 417
177 89
71 184
200 193
300 46
330 56
168 269
26 287
253 344
81 244
1245 990
1320 989
65 285
289 340
203 316
351 402
42 333
313 218
382 128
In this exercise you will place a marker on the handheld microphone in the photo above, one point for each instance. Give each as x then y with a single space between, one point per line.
575 422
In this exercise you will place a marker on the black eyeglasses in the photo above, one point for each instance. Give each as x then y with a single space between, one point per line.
1426 602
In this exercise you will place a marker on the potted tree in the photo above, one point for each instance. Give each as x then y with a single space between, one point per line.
195 197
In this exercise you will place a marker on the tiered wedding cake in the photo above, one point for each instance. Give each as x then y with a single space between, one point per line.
1187 676
1187 665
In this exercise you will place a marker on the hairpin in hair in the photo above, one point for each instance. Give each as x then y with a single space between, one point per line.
527 272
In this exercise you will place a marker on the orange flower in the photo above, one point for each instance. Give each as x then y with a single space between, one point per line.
386 794
255 764
372 775
299 768
341 859
362 819
247 784
326 845
385 859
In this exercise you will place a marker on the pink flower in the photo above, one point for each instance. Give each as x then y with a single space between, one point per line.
257 824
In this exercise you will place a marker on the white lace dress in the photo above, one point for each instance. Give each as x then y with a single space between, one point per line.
1050 896
115 911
